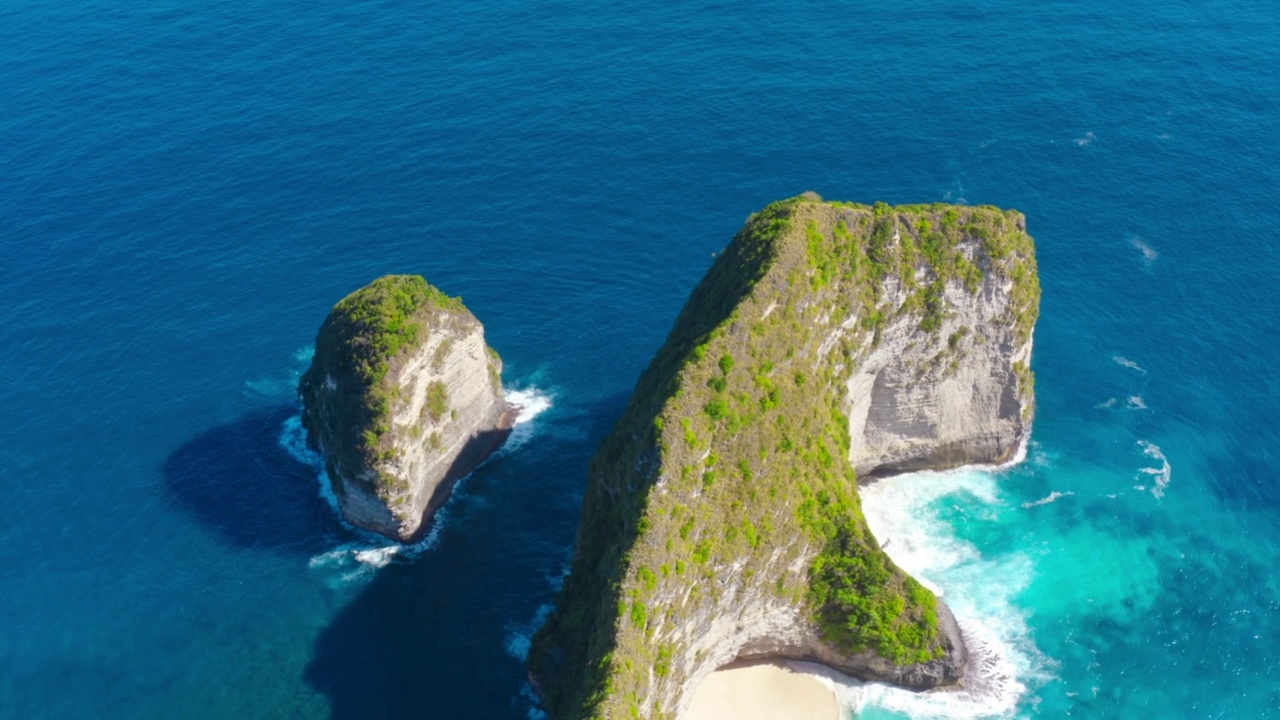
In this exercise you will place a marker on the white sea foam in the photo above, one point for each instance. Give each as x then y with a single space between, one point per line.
1019 456
1126 362
1051 497
1148 253
1109 403
1135 402
532 403
293 438
377 556
979 590
1087 140
351 562
355 560
1162 474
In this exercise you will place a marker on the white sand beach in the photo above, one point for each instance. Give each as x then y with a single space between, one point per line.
762 691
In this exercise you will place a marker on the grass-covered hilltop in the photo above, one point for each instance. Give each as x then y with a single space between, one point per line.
722 517
402 398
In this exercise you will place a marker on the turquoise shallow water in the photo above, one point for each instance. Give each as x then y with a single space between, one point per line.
186 188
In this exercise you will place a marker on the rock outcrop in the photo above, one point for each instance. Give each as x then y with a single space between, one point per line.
403 398
722 518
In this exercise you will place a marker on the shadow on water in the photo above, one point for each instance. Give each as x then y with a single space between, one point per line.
439 636
238 480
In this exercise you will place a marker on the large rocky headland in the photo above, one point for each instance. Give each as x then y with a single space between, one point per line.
828 342
403 398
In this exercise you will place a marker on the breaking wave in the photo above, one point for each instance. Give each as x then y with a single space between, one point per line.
532 403
903 514
1160 475
1126 362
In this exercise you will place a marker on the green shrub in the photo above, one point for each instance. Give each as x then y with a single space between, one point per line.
726 363
717 409
437 399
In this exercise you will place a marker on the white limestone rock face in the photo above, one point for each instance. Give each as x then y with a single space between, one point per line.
957 396
403 398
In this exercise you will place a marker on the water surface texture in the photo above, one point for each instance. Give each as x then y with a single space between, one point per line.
186 188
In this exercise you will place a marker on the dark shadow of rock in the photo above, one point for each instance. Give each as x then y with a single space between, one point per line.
242 483
440 636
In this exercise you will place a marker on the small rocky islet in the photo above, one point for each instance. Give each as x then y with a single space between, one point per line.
402 398
830 342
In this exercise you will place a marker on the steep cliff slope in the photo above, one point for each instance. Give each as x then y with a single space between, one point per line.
722 518
402 398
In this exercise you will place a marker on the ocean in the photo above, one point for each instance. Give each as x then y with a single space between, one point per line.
187 188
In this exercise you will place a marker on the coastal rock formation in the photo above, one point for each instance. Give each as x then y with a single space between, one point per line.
403 398
722 519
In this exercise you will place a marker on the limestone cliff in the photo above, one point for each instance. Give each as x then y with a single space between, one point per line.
403 398
722 519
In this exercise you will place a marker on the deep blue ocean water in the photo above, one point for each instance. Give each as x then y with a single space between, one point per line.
186 188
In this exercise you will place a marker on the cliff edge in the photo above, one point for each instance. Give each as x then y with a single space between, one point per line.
403 398
722 519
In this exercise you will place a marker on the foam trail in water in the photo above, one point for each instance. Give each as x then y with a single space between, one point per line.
1161 474
1148 253
979 590
1126 362
1051 497
1135 402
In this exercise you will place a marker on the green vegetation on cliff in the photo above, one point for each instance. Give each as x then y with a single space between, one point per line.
730 464
356 347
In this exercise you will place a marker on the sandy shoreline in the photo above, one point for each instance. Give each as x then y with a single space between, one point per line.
762 691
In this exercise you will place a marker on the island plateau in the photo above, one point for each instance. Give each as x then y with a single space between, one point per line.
402 398
828 342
